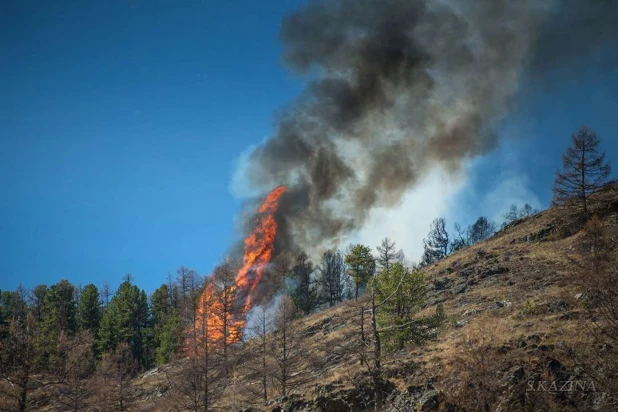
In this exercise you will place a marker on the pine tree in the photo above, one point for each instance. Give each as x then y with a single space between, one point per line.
167 326
482 229
437 243
59 317
361 266
89 309
585 171
305 296
401 294
127 320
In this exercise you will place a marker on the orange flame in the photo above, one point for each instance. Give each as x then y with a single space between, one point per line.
214 320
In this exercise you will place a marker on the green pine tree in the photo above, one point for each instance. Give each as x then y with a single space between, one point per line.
361 266
400 295
167 326
127 319
89 309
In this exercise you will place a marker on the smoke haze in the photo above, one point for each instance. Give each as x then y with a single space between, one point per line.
400 88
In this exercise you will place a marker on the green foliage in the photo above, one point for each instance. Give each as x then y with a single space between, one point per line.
400 294
361 265
167 326
59 312
89 309
126 320
168 338
530 308
60 309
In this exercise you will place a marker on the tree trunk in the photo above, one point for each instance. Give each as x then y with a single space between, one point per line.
377 366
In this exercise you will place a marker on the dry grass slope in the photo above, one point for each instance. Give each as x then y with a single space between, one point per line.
513 318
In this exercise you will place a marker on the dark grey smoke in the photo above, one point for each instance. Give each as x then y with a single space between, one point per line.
399 87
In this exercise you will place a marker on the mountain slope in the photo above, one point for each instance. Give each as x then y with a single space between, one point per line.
514 318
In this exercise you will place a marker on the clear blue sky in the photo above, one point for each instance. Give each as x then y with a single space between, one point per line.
121 121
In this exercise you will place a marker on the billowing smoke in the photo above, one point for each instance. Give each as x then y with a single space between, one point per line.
397 88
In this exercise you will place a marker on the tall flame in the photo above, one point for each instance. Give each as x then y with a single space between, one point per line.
214 320
259 245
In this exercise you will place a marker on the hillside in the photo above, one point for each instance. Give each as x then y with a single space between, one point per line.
514 317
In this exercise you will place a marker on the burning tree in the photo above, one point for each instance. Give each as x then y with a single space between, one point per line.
197 386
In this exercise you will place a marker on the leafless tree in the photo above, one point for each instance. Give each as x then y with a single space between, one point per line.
78 366
331 276
257 366
386 253
17 364
437 243
114 377
106 293
597 278
292 362
585 171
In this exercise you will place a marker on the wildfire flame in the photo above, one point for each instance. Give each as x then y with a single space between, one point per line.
214 319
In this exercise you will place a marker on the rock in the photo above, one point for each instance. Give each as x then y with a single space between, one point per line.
461 323
494 271
504 304
579 296
429 401
534 338
569 316
440 284
325 404
470 312
460 289
517 375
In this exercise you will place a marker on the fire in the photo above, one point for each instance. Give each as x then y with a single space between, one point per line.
223 305
259 245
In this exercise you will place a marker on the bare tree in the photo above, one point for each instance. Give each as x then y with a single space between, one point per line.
386 253
437 243
188 285
386 292
597 278
78 366
114 375
257 366
461 239
292 361
17 363
585 171
331 277
480 230
106 293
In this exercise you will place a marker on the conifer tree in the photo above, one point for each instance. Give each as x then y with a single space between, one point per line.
127 320
585 171
361 266
89 309
305 296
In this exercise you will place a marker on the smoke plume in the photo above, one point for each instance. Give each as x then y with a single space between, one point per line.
398 88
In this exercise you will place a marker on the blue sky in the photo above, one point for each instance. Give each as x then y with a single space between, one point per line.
122 120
